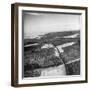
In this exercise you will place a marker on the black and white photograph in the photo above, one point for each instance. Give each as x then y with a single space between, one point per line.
50 44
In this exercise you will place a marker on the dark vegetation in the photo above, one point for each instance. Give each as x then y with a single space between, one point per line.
36 58
73 68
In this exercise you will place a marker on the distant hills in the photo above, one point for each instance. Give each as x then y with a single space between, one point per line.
56 38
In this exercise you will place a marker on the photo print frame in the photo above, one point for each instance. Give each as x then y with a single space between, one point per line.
48 44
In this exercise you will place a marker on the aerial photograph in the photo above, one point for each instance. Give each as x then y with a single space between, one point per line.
51 44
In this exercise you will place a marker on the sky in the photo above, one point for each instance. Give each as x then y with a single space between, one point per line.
36 24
